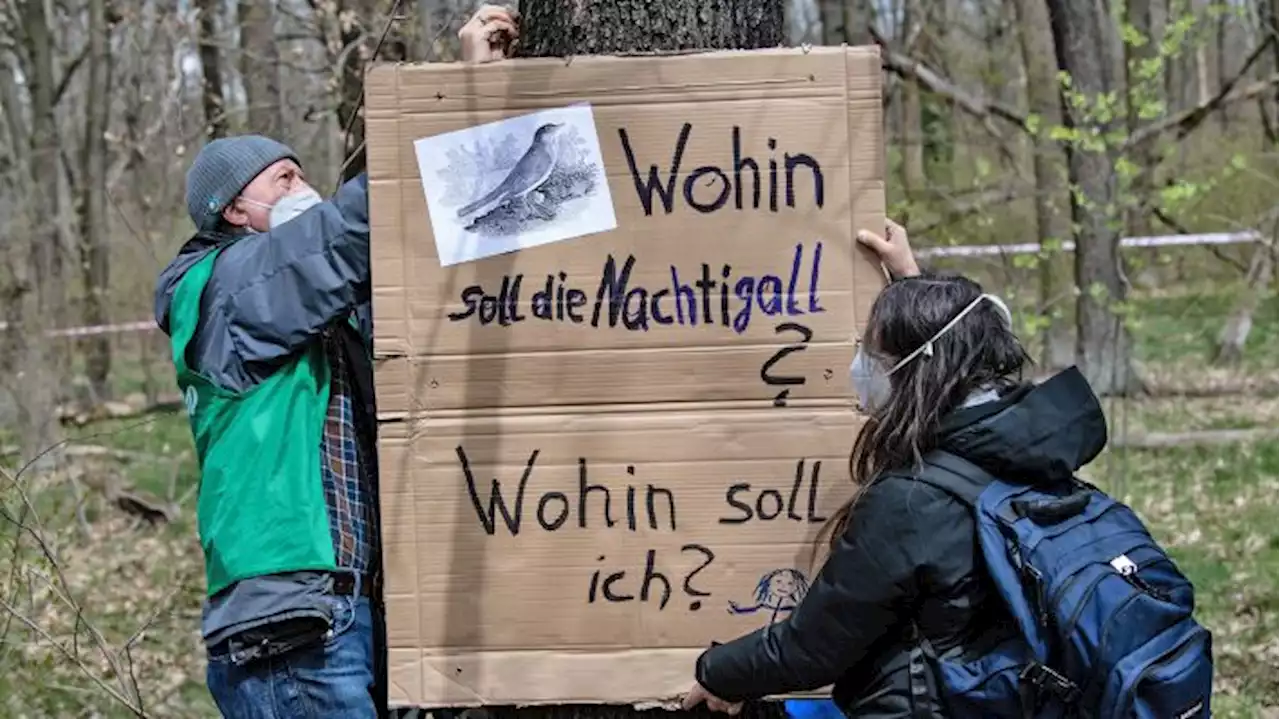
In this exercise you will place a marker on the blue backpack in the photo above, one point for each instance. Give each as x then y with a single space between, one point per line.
1104 615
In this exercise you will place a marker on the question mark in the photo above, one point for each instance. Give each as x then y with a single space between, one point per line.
806 334
695 605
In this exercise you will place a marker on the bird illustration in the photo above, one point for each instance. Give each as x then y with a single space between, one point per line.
528 174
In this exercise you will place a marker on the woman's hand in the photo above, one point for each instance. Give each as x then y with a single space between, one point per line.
491 34
893 249
699 694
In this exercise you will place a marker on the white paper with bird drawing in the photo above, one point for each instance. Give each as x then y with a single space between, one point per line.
516 183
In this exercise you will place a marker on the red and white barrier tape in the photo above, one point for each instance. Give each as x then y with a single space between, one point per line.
1217 238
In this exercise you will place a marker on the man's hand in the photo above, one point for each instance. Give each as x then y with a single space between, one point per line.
894 249
699 694
491 34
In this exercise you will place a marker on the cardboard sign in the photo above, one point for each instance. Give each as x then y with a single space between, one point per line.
615 305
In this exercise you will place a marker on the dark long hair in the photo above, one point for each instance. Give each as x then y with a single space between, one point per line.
978 352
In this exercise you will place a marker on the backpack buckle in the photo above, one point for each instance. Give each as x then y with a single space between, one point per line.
1044 679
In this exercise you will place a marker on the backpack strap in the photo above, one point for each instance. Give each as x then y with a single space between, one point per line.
956 476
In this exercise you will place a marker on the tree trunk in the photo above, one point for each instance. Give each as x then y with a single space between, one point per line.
351 89
1102 340
1138 93
215 115
260 68
1223 52
1174 67
13 200
358 42
1267 17
44 294
1203 93
433 17
1235 333
912 140
1047 160
834 30
858 16
558 28
94 253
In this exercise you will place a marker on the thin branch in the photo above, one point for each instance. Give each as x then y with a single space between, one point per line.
911 68
69 73
1182 229
11 611
1185 122
64 586
960 210
392 18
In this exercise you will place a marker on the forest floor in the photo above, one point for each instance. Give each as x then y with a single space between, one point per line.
1213 505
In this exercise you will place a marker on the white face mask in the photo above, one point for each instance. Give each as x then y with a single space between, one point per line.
289 206
871 381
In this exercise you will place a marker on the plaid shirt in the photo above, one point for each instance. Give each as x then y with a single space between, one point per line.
349 464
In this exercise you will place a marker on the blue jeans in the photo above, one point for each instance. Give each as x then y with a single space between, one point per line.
331 678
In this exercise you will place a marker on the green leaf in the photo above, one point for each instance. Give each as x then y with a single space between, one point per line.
1059 133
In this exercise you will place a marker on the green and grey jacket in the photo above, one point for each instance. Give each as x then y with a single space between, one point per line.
270 296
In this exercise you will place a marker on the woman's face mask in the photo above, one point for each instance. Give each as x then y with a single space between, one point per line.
870 379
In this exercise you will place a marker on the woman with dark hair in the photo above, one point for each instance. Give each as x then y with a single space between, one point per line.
938 367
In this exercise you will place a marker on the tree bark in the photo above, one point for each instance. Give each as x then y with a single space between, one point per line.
559 28
1235 332
351 87
215 115
912 139
260 68
1102 340
1047 160
834 29
94 253
1222 60
359 41
43 292
432 16
1138 92
1267 17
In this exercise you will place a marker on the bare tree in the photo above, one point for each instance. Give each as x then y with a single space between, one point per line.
40 292
94 229
260 67
912 139
212 97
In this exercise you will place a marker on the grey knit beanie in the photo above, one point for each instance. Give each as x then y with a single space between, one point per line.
223 168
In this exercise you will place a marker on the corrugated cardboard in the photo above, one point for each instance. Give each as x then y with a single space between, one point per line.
715 478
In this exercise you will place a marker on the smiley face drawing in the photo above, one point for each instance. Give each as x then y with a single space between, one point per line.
779 591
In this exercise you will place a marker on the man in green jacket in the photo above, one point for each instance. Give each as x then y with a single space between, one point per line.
268 311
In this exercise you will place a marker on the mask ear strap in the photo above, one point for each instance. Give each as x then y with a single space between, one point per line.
1002 308
927 350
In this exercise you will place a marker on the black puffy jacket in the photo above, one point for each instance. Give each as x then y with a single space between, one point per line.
908 569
